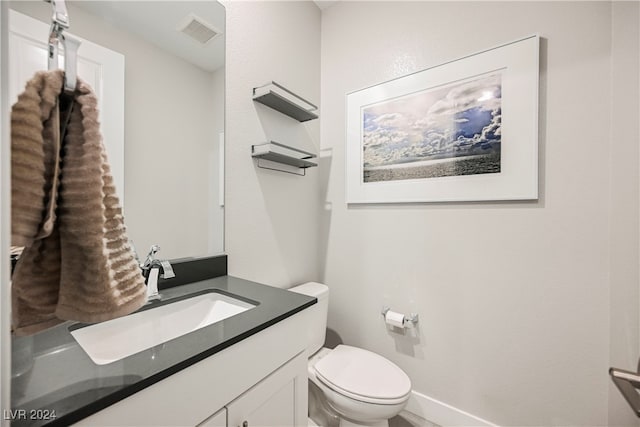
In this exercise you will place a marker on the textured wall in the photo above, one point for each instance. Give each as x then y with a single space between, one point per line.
513 297
625 149
271 218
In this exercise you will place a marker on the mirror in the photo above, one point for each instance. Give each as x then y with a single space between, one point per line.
158 71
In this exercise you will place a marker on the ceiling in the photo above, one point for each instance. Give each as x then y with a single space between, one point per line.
323 4
156 22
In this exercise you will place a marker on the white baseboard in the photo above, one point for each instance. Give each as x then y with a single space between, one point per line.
443 414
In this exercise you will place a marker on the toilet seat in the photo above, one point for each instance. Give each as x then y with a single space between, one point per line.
363 375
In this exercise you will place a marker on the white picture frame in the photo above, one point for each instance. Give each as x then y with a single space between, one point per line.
465 130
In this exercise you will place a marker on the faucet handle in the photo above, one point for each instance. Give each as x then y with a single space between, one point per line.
151 256
153 251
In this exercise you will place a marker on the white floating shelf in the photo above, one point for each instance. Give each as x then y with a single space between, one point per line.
280 153
283 100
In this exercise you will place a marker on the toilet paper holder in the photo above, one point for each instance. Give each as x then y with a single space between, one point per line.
411 318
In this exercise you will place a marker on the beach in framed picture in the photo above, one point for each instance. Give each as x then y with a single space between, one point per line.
465 130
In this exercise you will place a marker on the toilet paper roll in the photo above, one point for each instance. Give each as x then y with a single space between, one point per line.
394 319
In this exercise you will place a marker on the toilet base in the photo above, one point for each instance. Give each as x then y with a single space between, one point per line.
319 410
322 413
347 423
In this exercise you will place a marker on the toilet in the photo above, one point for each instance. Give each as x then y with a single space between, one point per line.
362 387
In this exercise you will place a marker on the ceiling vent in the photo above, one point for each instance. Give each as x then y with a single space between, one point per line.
198 29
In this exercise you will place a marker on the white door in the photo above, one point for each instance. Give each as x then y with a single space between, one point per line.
100 67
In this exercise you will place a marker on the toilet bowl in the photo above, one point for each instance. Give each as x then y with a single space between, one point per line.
361 387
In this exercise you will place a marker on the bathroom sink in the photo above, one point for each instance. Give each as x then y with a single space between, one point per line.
116 339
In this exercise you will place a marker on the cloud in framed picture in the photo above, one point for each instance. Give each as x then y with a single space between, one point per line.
445 131
466 130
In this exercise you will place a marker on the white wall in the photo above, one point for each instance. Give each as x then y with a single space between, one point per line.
625 144
271 225
170 131
513 297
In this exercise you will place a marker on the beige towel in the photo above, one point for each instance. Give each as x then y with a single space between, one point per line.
77 264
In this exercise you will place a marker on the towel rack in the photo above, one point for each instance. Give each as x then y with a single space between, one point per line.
280 153
628 383
59 23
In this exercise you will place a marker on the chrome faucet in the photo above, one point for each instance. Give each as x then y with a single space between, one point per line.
152 268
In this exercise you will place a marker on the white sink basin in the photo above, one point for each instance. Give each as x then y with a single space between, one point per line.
116 339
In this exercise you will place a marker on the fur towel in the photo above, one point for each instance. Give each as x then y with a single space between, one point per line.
77 263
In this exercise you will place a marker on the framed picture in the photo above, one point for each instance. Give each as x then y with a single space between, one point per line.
465 130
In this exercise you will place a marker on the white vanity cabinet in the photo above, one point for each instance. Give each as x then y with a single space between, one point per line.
259 381
273 401
219 419
270 403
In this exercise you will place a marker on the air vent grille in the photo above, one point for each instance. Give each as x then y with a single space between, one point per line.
198 29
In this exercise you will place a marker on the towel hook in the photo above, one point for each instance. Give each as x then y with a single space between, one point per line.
59 23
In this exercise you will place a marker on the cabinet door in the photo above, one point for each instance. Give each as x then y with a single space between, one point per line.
219 419
279 400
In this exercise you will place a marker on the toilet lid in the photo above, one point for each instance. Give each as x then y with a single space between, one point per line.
363 373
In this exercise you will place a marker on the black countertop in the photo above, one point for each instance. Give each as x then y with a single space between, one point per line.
56 383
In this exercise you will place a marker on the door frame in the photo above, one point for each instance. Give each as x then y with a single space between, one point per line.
5 226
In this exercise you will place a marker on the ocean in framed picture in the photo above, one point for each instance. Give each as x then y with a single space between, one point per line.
450 130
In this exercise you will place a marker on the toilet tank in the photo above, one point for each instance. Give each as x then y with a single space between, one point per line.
318 313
